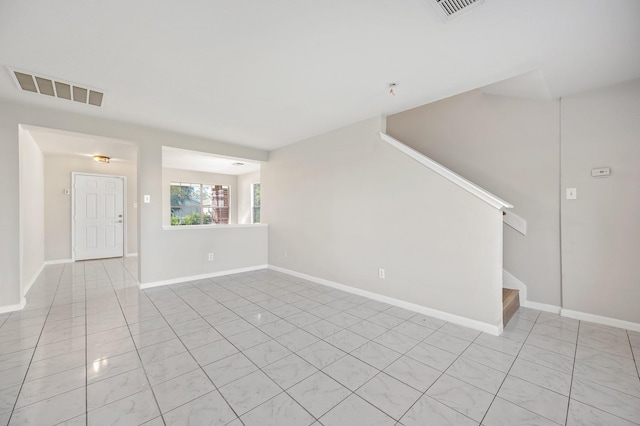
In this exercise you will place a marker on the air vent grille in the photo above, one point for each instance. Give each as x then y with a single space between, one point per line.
453 8
59 89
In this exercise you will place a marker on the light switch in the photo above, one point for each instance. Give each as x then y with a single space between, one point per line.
147 199
572 194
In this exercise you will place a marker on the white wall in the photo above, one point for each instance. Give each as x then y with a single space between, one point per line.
58 208
10 251
245 195
510 147
343 204
189 176
31 219
157 248
601 228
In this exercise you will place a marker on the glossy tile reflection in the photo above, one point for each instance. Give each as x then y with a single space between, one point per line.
265 348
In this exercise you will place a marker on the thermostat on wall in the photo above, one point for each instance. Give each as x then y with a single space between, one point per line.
601 172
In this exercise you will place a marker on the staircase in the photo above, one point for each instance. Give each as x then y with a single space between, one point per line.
510 304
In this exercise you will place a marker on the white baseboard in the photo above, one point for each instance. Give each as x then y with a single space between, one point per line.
494 330
13 308
58 261
32 280
543 307
144 286
509 281
612 322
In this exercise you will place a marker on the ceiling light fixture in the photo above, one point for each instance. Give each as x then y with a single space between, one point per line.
101 159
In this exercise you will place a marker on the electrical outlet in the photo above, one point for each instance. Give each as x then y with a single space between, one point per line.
286 254
381 273
210 256
572 194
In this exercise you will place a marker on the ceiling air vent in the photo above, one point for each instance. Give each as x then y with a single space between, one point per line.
56 88
454 8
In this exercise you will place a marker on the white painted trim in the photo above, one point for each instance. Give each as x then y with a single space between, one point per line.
509 281
131 255
13 308
494 330
453 177
515 222
232 225
144 286
613 322
58 261
543 307
33 280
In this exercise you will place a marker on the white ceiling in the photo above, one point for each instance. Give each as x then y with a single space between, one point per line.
176 158
269 73
58 142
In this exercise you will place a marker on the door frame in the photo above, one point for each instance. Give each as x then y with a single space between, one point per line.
73 210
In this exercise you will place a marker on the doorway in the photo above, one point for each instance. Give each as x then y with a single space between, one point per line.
98 216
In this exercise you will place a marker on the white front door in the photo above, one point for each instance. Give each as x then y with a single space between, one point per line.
98 216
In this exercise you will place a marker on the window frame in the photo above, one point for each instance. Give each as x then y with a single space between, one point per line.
202 207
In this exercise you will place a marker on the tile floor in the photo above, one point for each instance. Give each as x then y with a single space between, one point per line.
264 348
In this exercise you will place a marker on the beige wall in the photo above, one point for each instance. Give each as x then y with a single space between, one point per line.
601 228
58 208
31 219
190 176
244 195
510 147
344 204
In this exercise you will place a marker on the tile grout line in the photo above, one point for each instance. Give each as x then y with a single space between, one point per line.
137 352
424 394
573 368
607 387
34 350
275 339
328 297
636 362
507 375
200 367
323 339
242 352
86 348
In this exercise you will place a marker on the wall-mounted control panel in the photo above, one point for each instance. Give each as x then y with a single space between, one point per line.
601 172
